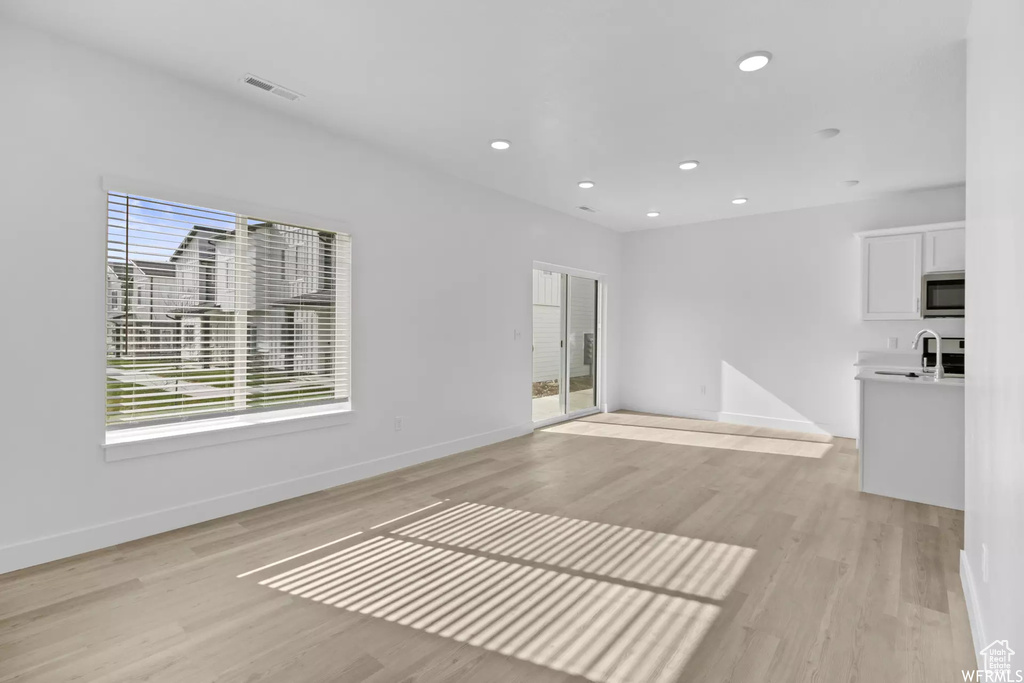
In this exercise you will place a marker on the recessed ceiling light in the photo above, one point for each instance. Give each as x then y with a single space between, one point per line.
653 214
827 133
689 165
740 200
586 184
755 61
850 183
500 144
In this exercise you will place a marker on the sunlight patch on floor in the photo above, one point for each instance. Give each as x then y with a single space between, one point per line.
602 631
677 563
712 426
679 437
609 603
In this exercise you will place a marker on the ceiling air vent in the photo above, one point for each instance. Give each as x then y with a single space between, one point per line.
587 209
272 88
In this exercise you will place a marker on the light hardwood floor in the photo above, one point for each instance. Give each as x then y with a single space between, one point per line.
620 548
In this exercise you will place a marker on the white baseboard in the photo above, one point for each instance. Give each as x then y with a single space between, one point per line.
695 414
654 409
805 426
58 546
973 609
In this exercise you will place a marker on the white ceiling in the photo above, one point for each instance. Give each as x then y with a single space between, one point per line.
617 91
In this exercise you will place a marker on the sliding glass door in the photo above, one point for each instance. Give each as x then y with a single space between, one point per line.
565 344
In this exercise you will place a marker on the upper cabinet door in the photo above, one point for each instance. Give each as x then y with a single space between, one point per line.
892 277
945 250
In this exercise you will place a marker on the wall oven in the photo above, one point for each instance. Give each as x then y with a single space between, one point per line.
943 295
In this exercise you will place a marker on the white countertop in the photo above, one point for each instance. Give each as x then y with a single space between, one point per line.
870 362
871 374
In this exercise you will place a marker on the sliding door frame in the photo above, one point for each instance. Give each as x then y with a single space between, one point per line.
600 361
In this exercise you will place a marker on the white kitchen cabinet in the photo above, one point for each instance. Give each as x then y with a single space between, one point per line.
945 250
892 276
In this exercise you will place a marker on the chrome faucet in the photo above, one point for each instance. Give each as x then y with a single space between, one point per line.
939 371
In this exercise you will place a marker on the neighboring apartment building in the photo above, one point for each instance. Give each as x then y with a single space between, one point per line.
150 288
185 307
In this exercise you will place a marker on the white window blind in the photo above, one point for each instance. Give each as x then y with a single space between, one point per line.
210 313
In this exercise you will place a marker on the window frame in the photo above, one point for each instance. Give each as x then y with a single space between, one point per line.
150 439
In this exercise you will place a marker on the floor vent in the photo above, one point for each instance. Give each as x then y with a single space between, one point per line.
272 88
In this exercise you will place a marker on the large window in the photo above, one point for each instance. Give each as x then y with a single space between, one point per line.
211 313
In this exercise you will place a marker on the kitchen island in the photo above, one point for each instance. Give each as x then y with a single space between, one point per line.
911 437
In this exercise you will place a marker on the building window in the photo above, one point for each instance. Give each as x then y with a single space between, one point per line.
212 313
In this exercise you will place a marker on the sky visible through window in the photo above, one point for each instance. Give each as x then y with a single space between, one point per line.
156 228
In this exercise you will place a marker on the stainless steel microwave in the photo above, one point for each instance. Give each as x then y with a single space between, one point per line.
943 295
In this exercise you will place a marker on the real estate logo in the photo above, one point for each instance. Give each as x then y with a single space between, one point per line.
998 657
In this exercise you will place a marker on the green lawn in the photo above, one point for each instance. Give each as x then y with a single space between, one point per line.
265 398
124 398
220 378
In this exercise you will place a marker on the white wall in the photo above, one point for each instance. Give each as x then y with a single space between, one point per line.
994 513
763 312
442 278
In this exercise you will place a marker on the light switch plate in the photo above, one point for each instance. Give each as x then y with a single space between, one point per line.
892 343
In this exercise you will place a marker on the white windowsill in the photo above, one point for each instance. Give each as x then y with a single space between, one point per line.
139 442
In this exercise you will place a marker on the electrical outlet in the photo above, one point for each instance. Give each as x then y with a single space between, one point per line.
984 562
398 424
892 342
516 334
